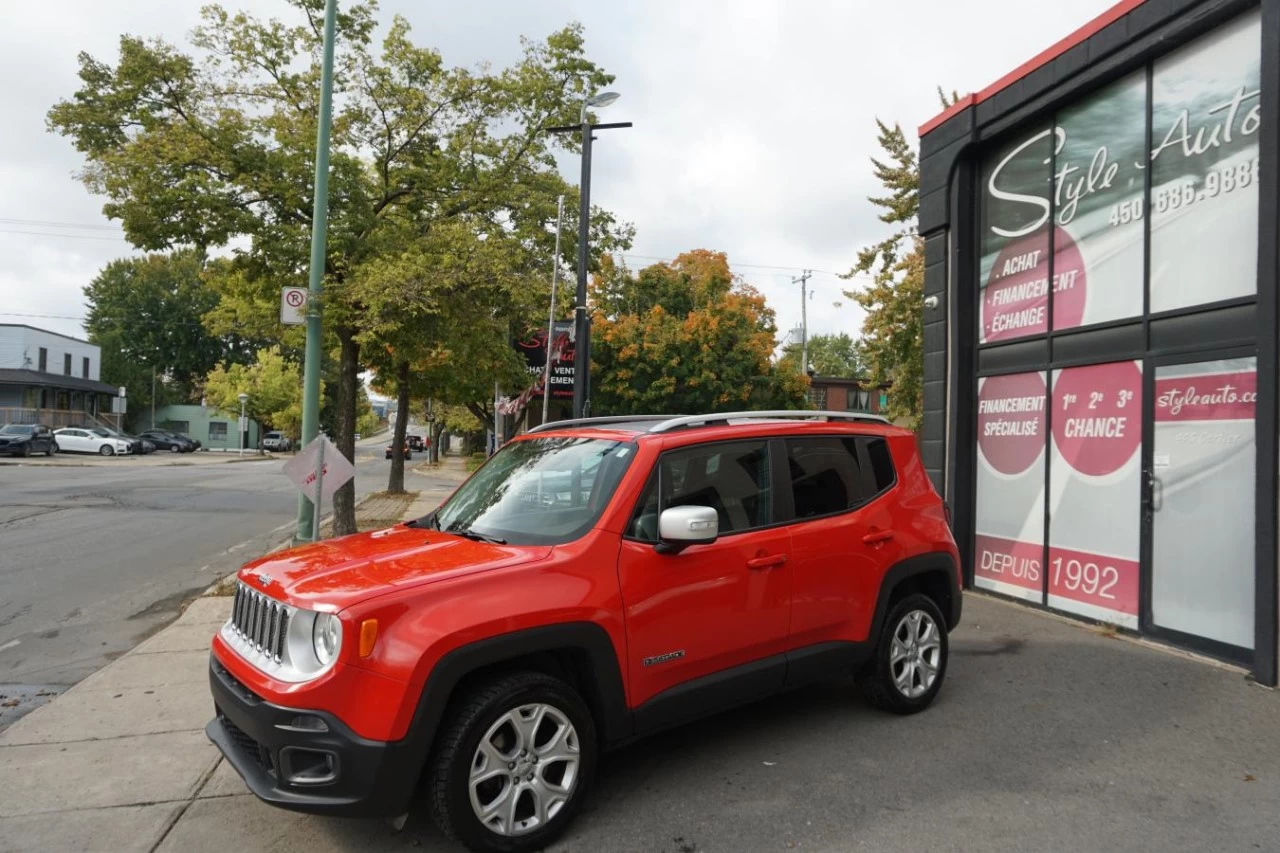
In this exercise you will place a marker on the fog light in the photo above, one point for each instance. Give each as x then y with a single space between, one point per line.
305 723
308 766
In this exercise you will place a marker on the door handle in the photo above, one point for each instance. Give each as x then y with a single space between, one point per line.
876 537
1155 491
769 562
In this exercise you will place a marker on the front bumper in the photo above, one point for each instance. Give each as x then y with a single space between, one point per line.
307 760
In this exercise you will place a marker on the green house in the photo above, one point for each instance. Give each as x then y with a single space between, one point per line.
214 429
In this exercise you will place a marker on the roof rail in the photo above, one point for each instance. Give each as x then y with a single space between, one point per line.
598 422
671 424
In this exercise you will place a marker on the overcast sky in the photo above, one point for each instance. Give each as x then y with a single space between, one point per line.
753 119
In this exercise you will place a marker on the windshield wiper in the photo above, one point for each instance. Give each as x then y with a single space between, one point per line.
431 521
476 536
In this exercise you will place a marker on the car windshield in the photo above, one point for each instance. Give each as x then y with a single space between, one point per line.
17 429
101 432
541 491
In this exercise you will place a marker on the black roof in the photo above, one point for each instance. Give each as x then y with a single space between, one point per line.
16 376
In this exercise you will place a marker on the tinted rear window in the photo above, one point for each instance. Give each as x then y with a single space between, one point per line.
881 463
826 476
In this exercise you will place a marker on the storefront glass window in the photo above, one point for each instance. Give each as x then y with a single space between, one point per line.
1202 534
1204 169
1095 482
1014 270
1098 206
1009 528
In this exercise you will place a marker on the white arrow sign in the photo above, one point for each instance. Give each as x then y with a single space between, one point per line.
302 470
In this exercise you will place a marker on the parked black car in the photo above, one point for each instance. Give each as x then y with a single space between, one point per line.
171 441
25 439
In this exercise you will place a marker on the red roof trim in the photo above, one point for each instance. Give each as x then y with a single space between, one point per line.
1108 17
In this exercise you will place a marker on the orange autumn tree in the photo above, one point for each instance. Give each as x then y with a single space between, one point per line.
684 337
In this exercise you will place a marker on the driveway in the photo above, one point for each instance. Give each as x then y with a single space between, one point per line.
1048 736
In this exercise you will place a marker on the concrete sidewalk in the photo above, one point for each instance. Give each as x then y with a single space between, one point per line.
1049 735
151 460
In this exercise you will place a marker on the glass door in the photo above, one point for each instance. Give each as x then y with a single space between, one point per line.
1199 502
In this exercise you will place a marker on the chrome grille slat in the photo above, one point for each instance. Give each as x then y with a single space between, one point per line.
262 621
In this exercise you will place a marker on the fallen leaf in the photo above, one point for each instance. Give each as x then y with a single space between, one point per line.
11 703
1249 777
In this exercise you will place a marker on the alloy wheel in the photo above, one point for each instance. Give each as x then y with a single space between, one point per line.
524 770
915 654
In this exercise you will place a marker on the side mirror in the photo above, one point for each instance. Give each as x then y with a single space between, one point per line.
682 526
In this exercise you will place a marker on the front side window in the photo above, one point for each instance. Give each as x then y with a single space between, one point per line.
543 491
732 478
826 477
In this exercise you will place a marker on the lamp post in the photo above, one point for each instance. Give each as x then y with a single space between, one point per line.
581 327
244 426
551 322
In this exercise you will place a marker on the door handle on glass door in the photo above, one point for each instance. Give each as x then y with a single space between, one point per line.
767 562
875 537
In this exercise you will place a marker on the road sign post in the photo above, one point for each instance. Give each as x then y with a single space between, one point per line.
318 470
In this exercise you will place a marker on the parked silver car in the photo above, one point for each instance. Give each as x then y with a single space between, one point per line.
277 441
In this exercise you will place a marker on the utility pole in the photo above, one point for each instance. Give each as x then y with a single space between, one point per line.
803 281
307 511
581 325
551 322
153 397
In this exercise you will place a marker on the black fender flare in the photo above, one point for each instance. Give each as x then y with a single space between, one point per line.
613 718
921 564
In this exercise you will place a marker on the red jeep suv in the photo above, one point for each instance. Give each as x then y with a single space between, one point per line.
594 581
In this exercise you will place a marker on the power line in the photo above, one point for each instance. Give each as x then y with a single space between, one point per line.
45 223
70 236
735 264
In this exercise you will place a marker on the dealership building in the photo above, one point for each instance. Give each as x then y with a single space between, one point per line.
1101 317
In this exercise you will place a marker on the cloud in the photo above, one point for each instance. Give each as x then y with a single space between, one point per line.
754 120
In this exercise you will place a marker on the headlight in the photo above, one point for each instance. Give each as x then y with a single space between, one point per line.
326 638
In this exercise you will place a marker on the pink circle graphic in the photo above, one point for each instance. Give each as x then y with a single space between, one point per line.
1011 421
1015 302
1097 416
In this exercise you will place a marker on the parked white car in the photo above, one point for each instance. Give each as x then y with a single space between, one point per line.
75 440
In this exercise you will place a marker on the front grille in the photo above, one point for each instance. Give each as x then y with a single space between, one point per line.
247 745
262 621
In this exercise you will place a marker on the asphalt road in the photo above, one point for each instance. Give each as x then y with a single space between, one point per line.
1048 737
92 560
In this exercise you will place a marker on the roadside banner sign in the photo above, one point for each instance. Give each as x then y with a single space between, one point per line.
293 306
319 470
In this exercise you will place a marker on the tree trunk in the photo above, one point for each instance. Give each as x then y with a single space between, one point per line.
344 500
483 415
437 435
395 483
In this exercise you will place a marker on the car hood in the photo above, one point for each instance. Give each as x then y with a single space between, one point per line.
13 438
337 573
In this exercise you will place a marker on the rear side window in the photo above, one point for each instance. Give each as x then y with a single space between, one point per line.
826 475
881 463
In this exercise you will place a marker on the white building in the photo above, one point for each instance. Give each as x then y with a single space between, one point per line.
50 378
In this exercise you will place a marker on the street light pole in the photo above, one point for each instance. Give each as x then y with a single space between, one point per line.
244 426
551 322
319 221
581 325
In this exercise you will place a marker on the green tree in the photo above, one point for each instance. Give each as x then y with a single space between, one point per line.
829 355
685 337
893 330
216 145
273 384
145 313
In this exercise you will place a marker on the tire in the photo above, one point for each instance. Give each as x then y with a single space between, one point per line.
106 450
886 683
488 713
53 448
173 448
25 453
